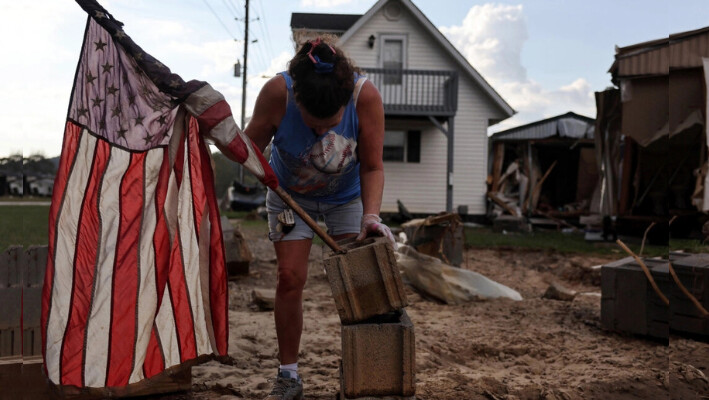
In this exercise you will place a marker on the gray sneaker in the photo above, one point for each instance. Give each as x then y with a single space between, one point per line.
286 388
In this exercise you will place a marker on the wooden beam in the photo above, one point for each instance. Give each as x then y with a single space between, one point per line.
538 187
498 201
498 158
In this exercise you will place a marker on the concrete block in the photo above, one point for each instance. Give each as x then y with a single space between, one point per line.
35 263
238 255
378 357
365 280
10 273
265 299
11 341
693 272
628 302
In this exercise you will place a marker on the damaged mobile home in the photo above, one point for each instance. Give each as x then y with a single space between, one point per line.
652 135
545 167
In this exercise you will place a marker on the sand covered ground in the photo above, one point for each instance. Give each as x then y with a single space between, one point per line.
496 349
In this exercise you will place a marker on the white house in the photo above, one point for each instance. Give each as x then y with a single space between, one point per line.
438 107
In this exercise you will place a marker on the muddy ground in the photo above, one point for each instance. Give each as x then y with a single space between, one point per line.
497 349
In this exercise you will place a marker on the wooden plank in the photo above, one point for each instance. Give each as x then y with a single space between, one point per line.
497 161
498 201
626 180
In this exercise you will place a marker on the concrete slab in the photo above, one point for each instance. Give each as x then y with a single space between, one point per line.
378 358
365 281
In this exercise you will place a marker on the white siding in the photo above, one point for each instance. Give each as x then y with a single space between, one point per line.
422 186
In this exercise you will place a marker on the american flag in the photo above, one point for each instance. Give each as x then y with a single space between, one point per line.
135 280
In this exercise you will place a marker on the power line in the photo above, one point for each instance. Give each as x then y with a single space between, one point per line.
229 6
263 24
219 19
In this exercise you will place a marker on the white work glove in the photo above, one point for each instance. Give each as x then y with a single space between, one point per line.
371 223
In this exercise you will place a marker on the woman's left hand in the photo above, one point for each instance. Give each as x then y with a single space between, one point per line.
371 223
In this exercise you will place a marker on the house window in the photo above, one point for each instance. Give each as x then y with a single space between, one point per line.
402 146
393 48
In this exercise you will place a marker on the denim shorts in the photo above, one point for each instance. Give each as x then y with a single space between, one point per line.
339 218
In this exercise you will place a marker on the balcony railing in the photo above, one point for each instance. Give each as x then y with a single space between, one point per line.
416 92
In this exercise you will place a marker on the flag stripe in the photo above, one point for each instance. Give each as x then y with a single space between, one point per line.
215 272
167 331
199 203
147 296
85 257
125 272
72 137
97 332
213 115
154 360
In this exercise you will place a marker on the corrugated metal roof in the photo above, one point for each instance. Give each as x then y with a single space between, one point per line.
656 57
323 22
569 125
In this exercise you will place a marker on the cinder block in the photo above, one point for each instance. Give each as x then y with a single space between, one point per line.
693 271
34 266
628 302
10 260
378 358
238 255
365 280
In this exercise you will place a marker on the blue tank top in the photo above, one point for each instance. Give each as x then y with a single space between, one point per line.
323 168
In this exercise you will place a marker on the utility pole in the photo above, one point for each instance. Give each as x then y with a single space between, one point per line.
246 53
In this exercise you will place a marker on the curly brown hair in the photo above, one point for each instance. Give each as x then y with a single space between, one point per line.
323 77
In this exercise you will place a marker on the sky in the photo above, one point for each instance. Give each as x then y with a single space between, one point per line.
544 57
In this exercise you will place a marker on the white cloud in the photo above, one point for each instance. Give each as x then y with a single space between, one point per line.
491 37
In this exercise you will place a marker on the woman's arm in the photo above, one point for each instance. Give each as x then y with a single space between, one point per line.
370 112
268 112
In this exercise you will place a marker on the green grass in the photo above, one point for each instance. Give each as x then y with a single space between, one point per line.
691 246
23 225
552 240
27 225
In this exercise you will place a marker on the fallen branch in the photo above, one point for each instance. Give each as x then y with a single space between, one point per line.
689 295
645 270
642 246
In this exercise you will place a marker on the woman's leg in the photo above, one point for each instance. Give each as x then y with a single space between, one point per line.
292 259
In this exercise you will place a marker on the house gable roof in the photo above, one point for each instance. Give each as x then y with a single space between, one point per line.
569 125
438 36
323 22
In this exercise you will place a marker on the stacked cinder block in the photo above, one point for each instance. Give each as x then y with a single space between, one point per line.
693 272
378 353
628 301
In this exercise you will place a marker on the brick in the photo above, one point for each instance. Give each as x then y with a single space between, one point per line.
365 280
378 358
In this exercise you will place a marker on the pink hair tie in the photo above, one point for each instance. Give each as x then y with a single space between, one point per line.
321 67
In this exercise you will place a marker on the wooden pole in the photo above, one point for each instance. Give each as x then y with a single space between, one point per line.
309 221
